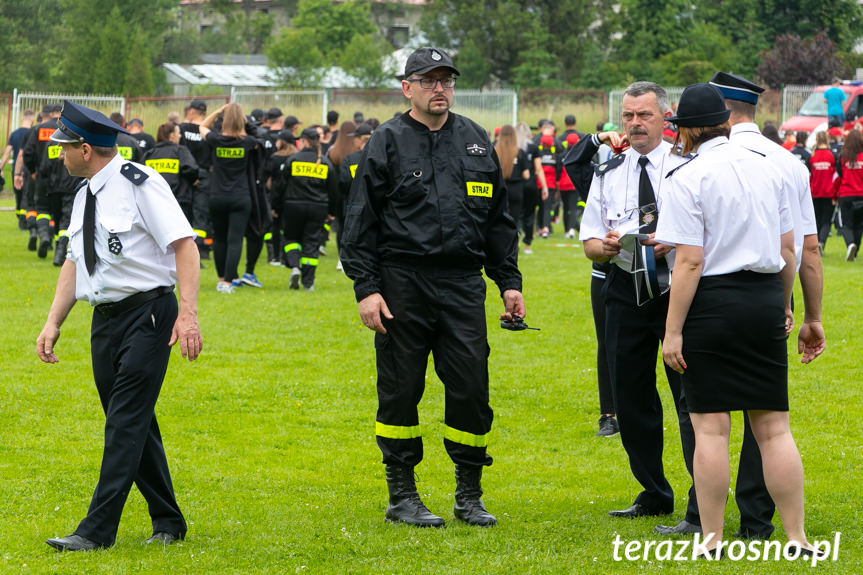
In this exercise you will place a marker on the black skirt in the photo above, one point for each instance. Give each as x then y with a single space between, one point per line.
734 344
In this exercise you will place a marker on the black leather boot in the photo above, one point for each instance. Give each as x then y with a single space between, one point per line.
468 506
34 239
405 505
60 251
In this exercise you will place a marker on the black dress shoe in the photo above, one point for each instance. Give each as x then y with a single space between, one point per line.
73 543
638 510
164 538
682 528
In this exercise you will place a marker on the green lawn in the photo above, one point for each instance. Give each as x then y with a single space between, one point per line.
270 436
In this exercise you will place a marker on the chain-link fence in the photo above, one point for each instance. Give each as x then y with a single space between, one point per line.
771 104
36 101
793 97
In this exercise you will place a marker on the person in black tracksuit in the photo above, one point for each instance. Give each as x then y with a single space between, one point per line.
272 170
176 164
307 183
36 159
426 212
190 136
61 188
347 170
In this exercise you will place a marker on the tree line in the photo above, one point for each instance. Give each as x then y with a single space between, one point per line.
117 47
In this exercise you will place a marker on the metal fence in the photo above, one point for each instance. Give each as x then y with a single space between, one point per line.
36 101
793 97
488 108
772 104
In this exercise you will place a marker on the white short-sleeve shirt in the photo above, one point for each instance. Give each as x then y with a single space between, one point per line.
613 199
793 175
144 218
728 200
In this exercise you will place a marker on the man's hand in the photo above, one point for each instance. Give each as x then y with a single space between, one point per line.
188 333
46 341
659 250
610 244
611 138
513 304
371 308
810 340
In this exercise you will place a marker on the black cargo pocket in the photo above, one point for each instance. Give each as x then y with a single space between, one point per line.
409 188
478 174
352 222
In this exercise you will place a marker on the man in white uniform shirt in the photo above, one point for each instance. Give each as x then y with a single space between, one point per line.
626 197
129 244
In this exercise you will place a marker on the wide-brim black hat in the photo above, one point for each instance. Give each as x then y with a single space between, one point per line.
700 105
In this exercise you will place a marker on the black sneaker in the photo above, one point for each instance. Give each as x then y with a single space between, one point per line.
607 426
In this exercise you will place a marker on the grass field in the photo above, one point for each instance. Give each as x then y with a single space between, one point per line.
270 437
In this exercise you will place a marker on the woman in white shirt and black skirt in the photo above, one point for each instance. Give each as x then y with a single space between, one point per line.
730 307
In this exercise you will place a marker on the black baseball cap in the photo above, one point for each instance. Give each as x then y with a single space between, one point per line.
310 134
700 105
286 136
427 59
274 113
362 130
199 105
291 121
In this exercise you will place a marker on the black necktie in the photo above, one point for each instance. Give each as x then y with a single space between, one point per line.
90 232
646 200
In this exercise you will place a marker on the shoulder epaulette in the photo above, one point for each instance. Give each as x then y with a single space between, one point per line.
134 174
690 158
602 169
754 151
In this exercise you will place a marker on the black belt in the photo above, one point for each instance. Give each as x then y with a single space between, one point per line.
114 309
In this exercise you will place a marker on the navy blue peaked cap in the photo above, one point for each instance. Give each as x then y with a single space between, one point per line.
79 124
736 87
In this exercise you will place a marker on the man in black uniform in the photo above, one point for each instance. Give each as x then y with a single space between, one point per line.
427 210
190 136
129 243
36 159
127 145
145 141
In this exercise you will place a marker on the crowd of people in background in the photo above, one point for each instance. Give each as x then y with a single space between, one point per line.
232 185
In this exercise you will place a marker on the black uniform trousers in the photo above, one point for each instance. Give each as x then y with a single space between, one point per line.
824 209
442 312
530 203
303 223
851 214
632 338
597 303
130 355
200 209
43 210
61 212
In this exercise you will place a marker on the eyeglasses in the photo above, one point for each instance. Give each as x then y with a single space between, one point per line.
430 83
